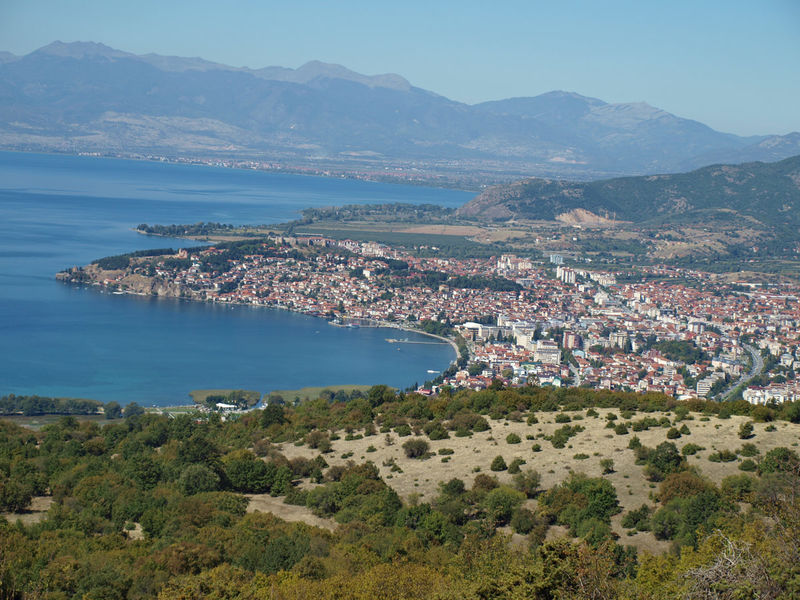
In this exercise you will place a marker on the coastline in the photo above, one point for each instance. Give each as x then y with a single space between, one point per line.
64 277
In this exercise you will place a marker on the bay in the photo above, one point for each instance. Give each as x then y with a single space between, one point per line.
57 211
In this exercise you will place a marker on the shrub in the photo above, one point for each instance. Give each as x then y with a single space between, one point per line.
691 449
673 434
748 465
527 482
498 464
607 465
318 440
513 438
562 418
638 519
634 443
454 487
580 456
621 429
523 521
561 435
532 420
435 431
536 447
762 414
746 430
484 482
738 487
749 450
513 467
416 448
403 430
685 430
779 460
722 456
445 451
682 485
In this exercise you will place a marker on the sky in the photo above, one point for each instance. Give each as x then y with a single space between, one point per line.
733 65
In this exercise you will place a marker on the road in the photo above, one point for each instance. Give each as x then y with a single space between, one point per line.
576 373
755 369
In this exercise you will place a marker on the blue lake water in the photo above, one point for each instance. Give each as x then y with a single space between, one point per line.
58 340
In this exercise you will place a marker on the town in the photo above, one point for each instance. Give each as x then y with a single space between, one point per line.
668 330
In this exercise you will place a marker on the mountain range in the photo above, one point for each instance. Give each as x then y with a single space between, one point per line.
87 97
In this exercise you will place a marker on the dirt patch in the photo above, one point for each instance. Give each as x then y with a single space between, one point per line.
36 512
581 216
287 512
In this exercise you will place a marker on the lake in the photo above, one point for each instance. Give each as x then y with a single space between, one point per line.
57 211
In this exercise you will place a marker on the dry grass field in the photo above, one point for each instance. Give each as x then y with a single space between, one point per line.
472 455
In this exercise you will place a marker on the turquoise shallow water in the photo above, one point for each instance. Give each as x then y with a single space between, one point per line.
59 211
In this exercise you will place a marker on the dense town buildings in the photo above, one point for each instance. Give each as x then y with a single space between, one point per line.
522 322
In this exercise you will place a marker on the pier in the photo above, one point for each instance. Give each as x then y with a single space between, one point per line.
407 341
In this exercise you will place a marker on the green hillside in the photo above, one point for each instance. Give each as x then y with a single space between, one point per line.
768 192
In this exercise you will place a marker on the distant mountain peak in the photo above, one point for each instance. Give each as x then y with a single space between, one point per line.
81 50
316 69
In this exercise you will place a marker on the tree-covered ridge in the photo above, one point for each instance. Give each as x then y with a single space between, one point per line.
153 506
768 192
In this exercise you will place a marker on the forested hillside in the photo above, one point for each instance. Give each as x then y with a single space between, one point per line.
154 506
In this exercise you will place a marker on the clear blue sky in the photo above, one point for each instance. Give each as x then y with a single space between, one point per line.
732 64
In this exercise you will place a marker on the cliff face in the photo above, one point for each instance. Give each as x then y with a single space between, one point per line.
127 282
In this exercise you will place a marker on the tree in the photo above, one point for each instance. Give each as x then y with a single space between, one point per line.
112 410
198 478
132 409
501 502
272 414
746 430
528 482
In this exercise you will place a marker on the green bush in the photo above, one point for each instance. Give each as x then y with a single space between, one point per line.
749 450
514 465
638 519
722 456
748 465
513 438
673 434
501 502
691 449
403 430
498 464
523 521
416 448
746 430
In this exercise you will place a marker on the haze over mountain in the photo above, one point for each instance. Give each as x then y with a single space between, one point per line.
88 97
